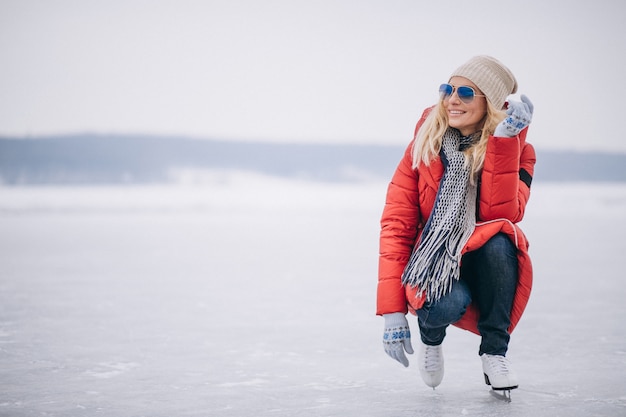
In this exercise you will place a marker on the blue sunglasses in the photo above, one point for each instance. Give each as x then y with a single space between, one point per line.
466 94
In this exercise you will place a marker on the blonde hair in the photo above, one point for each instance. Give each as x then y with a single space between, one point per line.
429 137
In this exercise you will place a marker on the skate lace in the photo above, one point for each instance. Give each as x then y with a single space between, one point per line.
498 364
432 358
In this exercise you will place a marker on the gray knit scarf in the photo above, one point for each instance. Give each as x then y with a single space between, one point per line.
435 262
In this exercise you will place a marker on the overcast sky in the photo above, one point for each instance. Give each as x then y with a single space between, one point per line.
335 71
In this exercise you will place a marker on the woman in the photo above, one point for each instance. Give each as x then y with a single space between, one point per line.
450 248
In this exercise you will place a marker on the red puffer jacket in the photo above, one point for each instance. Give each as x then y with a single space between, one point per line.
503 194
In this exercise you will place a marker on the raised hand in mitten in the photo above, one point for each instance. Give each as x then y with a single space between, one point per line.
397 337
519 115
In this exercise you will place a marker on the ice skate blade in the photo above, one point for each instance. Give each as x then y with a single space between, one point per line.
503 395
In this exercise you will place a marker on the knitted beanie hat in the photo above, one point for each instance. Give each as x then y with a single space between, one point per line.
492 78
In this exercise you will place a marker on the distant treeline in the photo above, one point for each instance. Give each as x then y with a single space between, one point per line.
115 159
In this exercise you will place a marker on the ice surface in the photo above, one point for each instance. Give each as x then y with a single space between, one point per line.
245 296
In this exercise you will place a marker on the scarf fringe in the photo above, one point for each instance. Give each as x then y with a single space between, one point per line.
436 265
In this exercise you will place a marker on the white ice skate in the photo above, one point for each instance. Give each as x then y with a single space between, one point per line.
498 372
430 360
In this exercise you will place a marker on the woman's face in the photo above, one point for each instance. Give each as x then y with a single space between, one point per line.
468 118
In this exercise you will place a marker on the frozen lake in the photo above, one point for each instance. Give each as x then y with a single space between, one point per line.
250 296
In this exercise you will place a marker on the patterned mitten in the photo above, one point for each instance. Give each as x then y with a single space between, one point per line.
397 337
519 116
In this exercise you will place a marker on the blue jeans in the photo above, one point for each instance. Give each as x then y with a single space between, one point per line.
489 278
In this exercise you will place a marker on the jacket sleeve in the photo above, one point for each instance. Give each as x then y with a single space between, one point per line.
399 227
505 182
